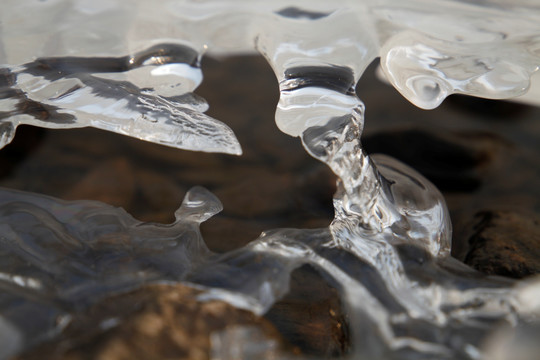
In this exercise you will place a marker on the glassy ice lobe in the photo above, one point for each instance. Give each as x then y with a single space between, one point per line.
487 50
318 102
388 252
58 257
385 250
148 96
388 247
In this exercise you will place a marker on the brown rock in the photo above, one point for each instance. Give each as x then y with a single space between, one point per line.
222 233
311 317
157 198
111 182
261 193
505 243
154 322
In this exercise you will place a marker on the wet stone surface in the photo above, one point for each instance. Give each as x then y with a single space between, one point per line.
486 163
311 316
154 322
505 243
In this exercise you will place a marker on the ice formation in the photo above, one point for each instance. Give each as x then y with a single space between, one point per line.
132 66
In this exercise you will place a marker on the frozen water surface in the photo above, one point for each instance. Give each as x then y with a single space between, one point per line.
132 67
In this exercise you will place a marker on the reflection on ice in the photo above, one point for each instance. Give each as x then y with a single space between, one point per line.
152 102
58 257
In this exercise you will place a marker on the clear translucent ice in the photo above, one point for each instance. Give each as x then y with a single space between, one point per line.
132 66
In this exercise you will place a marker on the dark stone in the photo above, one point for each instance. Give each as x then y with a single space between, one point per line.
111 182
452 161
311 317
488 108
505 243
26 141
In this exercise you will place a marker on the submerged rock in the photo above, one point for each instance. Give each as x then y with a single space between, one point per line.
153 322
505 243
312 317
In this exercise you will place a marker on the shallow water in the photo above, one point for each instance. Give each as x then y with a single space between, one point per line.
387 250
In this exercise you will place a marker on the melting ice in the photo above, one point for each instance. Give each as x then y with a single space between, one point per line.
132 66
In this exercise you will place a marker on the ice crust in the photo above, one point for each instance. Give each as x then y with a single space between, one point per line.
132 67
